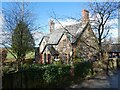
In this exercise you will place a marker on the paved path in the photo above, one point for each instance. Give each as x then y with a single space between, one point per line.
114 80
96 82
101 81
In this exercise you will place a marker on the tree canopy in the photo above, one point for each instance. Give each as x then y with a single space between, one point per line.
22 40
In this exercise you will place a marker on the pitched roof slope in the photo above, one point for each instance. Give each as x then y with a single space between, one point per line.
74 30
55 36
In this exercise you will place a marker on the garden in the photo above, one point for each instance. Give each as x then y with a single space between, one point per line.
46 76
55 75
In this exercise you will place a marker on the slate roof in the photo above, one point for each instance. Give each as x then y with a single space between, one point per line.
74 32
74 29
55 36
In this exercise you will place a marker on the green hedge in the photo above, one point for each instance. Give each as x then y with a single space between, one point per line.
40 76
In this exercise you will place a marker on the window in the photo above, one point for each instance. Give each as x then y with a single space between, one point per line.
44 43
64 40
64 49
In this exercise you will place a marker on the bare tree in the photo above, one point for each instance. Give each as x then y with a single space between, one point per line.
102 13
18 12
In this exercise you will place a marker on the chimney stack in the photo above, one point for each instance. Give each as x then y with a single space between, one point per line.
85 16
51 25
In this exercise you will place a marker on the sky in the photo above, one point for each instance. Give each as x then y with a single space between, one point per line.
44 10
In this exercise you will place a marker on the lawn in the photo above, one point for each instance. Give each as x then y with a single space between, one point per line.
10 57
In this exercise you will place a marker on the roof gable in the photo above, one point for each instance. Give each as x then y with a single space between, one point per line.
44 37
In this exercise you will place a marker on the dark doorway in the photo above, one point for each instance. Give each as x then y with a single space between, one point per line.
45 58
49 58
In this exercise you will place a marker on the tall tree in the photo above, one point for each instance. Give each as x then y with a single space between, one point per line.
22 40
102 13
19 22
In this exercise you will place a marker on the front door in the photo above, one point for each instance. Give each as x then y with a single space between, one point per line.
44 58
49 58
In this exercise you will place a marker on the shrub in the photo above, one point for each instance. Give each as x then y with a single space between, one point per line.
82 69
29 61
54 73
57 62
8 69
77 60
37 76
3 54
47 75
5 69
26 66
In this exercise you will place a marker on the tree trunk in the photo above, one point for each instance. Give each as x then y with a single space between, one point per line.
100 50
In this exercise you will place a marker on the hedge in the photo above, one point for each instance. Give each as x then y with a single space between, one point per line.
41 76
38 76
82 69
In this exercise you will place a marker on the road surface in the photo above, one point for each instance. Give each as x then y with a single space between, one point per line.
101 81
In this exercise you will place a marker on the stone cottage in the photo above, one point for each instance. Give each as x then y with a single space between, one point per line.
69 42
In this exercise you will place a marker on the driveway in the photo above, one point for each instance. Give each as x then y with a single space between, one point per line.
114 80
101 81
